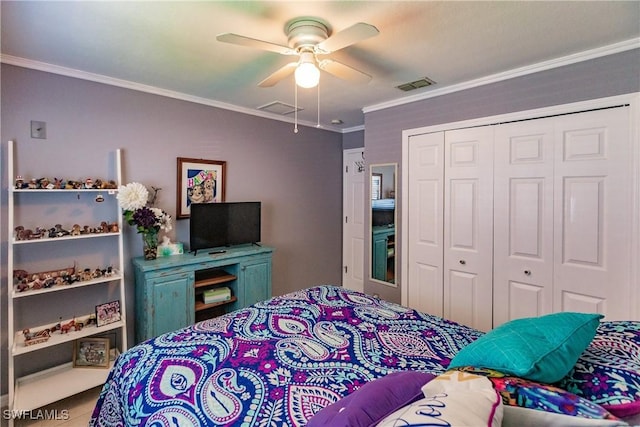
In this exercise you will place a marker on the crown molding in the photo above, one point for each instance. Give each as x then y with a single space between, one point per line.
99 78
542 66
517 72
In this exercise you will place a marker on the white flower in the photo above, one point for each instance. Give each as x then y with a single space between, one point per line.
162 218
132 196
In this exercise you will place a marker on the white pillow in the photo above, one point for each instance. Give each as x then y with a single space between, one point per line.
455 398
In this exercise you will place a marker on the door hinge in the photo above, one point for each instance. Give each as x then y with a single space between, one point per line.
346 169
345 269
346 219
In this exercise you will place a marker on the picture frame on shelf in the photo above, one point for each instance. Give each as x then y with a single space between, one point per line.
199 181
108 313
91 353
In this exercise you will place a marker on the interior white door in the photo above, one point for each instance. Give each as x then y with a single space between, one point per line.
425 223
523 220
353 227
468 226
593 195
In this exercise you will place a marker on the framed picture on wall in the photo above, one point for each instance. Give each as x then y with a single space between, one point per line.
199 181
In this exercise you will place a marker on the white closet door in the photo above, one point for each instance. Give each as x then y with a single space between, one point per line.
425 228
468 226
592 219
523 220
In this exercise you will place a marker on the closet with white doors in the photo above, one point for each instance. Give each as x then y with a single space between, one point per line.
523 218
451 225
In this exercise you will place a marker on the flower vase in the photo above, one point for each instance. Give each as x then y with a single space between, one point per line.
150 245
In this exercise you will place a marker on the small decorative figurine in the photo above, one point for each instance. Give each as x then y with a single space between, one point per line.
19 182
31 338
72 324
91 320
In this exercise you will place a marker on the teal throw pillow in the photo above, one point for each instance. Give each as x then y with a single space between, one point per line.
541 348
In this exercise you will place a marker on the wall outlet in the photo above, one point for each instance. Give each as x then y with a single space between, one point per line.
38 129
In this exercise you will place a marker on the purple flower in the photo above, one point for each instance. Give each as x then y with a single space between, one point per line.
300 377
390 361
144 217
351 387
596 382
276 393
267 365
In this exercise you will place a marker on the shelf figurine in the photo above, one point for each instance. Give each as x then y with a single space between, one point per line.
19 183
38 337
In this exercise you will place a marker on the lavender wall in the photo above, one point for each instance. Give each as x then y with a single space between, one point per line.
353 140
597 78
298 177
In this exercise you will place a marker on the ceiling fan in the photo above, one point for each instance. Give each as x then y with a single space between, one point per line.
308 38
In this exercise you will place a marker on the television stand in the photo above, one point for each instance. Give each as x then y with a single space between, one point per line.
169 290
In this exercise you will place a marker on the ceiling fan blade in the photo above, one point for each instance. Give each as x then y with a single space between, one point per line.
280 74
343 71
348 36
255 43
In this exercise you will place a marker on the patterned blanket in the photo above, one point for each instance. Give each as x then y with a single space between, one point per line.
276 363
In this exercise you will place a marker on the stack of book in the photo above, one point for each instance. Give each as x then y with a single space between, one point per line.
221 294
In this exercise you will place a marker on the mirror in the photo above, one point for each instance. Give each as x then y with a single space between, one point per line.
382 257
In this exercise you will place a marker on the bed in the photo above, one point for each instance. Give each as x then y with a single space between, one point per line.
296 360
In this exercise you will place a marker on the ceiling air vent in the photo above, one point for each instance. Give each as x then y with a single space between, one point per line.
423 82
278 107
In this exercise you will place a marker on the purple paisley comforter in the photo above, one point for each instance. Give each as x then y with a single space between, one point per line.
275 363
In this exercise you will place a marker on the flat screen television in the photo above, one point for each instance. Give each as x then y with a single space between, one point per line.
383 212
214 225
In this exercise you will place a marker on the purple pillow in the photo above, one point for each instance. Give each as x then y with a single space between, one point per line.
373 401
608 372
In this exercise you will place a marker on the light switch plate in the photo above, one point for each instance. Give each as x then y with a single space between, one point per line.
38 129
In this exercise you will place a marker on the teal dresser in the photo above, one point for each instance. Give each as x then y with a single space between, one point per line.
169 290
383 253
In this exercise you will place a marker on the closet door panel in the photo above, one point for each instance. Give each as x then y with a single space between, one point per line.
463 307
593 196
468 225
425 259
523 220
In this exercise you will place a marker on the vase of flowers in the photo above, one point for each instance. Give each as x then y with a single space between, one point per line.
134 198
150 244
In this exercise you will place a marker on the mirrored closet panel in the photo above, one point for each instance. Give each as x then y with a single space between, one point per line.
383 223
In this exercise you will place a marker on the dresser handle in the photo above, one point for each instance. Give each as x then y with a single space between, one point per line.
527 272
463 262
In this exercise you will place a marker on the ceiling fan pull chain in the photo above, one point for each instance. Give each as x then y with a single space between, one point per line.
295 108
318 88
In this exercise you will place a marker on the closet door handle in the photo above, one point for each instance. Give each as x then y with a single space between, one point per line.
463 262
527 272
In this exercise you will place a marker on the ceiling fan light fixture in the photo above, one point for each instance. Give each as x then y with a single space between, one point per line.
307 74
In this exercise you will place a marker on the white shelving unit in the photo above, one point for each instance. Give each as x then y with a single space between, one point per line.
31 388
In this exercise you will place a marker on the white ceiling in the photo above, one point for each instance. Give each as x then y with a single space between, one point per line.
171 48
